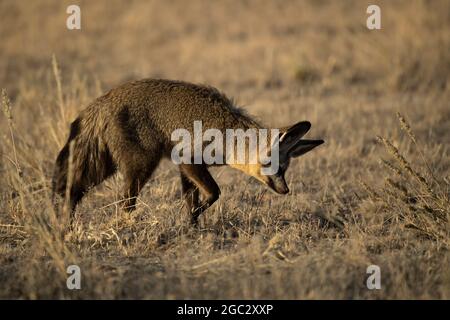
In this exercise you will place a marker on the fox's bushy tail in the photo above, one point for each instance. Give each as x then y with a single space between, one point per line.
91 161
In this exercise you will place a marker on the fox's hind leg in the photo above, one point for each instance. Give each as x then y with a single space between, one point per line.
136 174
133 185
135 149
200 176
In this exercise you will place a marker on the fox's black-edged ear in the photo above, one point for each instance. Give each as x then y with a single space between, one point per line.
289 136
304 146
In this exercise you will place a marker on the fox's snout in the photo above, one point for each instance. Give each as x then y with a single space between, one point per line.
282 190
278 184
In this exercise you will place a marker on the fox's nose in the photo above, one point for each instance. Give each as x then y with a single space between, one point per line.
280 186
283 190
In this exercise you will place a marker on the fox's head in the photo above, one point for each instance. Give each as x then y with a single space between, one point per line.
289 144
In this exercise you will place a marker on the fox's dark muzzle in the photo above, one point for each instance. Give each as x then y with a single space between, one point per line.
278 184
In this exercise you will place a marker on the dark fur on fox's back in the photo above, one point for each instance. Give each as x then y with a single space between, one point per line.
129 128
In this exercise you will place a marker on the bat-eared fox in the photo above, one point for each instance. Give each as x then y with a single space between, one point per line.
129 129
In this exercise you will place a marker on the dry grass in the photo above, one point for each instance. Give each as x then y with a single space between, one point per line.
354 202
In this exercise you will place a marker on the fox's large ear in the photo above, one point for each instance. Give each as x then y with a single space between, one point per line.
289 136
304 146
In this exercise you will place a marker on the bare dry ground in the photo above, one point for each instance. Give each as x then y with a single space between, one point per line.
354 202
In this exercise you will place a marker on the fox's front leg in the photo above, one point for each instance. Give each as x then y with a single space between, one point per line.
199 176
190 193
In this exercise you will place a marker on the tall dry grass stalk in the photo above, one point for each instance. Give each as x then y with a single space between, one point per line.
67 208
33 216
57 74
7 110
407 128
415 195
